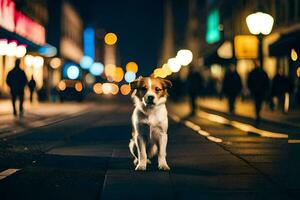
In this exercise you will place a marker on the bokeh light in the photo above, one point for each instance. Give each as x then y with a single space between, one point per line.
73 72
125 89
174 64
166 69
110 70
119 74
28 60
89 79
294 55
184 57
110 38
62 85
298 71
106 88
96 69
129 76
20 51
114 89
132 67
159 73
3 46
78 86
97 88
38 62
11 48
55 63
86 62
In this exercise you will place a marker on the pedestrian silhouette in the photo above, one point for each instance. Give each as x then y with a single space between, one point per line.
16 80
280 86
194 87
258 84
232 86
32 86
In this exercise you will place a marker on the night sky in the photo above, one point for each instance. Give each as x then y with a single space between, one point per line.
138 24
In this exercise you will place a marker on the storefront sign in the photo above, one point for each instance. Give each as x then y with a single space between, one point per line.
246 46
213 33
15 21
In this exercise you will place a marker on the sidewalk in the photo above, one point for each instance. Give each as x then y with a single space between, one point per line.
245 109
36 115
275 122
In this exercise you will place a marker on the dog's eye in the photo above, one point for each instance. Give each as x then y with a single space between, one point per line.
144 88
157 89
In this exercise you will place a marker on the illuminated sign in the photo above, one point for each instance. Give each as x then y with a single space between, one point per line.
212 32
15 21
89 42
246 46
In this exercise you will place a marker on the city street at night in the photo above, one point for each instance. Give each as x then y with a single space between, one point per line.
87 157
149 99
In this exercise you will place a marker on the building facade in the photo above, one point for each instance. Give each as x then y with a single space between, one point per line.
22 33
228 39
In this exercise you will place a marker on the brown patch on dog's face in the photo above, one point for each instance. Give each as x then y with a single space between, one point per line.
151 90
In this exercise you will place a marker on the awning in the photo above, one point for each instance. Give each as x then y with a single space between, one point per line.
211 56
285 43
4 34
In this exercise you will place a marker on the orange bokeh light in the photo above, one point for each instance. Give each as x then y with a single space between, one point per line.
97 88
119 74
132 67
110 38
125 89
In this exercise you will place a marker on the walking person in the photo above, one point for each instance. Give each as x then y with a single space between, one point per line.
232 86
17 80
32 86
258 84
280 86
194 87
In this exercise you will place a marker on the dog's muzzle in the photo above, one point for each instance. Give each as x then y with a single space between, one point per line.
149 100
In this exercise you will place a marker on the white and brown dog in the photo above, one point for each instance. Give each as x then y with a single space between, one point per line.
150 121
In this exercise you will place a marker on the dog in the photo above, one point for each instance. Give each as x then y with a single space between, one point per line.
149 121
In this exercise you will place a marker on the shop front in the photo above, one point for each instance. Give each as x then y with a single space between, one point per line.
20 38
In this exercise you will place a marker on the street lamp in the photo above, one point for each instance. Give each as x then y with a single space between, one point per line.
260 24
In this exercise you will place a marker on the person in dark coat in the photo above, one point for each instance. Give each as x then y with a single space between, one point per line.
232 86
194 87
17 80
32 86
258 84
280 86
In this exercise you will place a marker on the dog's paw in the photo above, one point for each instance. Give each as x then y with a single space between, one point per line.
140 168
135 162
148 161
164 167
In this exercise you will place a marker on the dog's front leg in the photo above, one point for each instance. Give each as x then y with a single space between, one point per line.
162 162
141 146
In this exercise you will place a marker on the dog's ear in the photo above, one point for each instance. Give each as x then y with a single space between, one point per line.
167 83
134 84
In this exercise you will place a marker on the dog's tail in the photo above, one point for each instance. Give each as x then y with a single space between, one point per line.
133 149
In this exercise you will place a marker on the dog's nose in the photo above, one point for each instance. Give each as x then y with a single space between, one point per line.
150 98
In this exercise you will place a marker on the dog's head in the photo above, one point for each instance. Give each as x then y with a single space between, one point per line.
151 91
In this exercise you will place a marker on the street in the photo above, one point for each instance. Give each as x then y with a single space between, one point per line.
87 157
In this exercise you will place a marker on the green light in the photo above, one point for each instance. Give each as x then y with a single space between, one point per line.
213 33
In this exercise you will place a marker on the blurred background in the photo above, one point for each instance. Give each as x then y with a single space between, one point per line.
82 50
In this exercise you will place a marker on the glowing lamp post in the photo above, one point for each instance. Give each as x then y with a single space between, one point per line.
260 24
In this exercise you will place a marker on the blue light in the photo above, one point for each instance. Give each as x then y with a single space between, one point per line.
97 69
47 50
89 42
73 72
86 62
129 76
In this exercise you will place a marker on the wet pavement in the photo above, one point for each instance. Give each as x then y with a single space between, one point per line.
87 157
